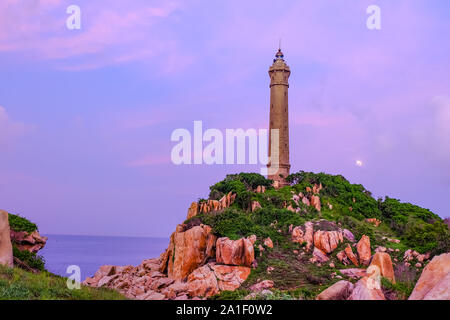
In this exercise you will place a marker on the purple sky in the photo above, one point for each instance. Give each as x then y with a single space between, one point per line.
86 115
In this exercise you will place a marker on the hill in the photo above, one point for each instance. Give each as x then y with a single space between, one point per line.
249 240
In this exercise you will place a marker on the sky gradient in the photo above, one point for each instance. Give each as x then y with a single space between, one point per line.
86 115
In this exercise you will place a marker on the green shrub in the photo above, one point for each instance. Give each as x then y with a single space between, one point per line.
30 258
18 223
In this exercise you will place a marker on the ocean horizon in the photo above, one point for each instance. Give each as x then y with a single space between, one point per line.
91 252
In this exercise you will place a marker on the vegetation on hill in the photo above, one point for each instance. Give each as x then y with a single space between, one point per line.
18 223
18 284
30 259
344 205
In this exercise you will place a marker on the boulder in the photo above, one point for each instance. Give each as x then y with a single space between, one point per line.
350 255
187 250
348 235
341 290
202 282
434 282
363 249
235 252
193 210
319 256
29 241
367 288
383 261
6 253
230 278
297 235
262 285
327 241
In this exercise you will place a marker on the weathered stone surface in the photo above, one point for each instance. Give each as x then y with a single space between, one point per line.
262 285
341 290
383 261
193 210
434 282
230 277
363 249
6 254
319 256
350 255
187 250
202 282
367 288
31 242
327 241
235 252
348 235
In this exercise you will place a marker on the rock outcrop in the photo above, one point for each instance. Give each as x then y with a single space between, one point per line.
327 241
383 262
434 282
341 290
210 205
235 252
187 250
31 242
363 249
6 254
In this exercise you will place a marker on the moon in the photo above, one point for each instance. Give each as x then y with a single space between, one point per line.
359 163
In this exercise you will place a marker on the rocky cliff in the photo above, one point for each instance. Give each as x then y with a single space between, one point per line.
320 237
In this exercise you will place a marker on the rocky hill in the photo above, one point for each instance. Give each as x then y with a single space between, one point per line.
320 237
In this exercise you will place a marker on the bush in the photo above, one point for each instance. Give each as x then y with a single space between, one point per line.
31 259
18 223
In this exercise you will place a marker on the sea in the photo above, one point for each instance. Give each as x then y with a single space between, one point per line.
91 252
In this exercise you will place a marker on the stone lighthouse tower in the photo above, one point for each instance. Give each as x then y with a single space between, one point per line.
279 166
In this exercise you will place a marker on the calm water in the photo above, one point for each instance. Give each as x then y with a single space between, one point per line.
90 252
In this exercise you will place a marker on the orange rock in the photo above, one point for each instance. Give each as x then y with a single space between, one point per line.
367 289
315 202
235 252
187 250
193 210
327 241
268 242
309 235
363 248
434 282
202 282
383 261
350 255
297 235
341 290
230 277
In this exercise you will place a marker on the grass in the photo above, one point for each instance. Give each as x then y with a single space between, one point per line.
17 284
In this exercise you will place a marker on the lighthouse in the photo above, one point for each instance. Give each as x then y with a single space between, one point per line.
279 165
